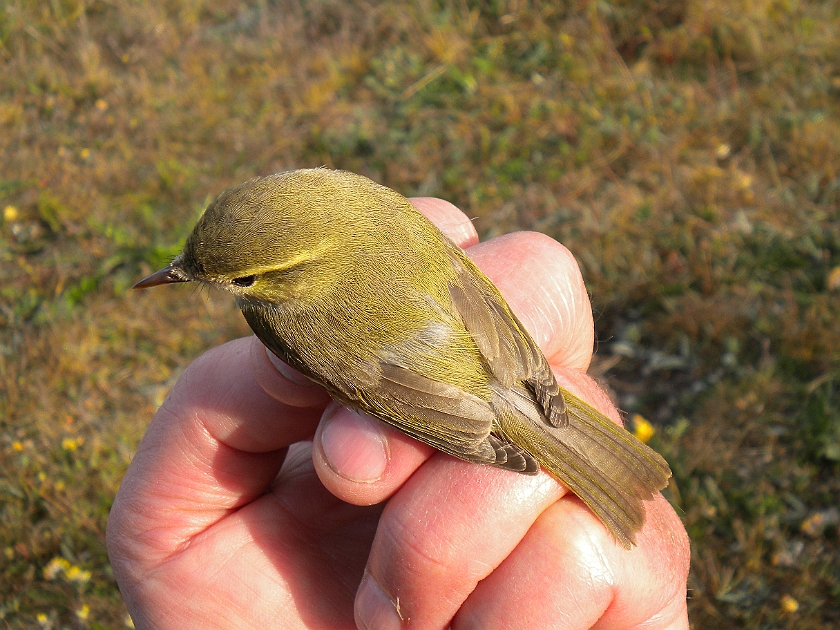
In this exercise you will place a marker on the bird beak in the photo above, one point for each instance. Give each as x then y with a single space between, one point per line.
167 275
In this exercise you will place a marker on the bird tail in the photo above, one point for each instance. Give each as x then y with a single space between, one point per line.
611 471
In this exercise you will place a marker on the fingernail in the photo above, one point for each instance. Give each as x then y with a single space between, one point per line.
374 609
354 447
288 371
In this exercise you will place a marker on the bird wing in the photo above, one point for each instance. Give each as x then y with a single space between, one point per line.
444 416
511 353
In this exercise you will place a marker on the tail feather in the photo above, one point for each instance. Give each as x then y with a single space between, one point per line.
647 468
611 471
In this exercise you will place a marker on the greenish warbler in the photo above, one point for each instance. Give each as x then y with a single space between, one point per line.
348 283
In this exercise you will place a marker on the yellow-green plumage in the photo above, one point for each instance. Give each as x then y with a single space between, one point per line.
348 283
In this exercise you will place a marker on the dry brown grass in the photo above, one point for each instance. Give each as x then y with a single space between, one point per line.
688 157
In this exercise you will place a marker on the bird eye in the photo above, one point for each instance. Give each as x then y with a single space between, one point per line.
244 281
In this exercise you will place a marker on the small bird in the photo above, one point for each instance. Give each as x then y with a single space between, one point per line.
347 282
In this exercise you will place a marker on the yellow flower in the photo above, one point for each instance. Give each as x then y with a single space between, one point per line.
54 567
10 213
833 280
17 445
789 605
70 444
77 574
642 429
83 612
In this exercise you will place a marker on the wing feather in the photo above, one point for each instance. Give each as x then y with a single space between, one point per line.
440 414
511 353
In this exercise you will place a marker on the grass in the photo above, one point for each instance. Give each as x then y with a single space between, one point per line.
687 154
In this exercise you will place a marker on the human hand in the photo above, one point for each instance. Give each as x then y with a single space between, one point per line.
229 517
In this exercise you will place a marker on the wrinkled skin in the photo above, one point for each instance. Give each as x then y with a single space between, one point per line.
230 517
